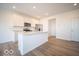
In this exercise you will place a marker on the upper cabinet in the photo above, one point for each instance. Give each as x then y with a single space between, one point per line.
18 20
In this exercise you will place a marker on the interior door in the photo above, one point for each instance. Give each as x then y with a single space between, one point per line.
75 29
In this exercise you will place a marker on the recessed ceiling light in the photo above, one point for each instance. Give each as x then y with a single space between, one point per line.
75 4
13 7
34 6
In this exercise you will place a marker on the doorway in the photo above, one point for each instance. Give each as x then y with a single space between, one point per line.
52 27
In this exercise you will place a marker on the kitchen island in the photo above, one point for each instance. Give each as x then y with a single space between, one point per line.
28 41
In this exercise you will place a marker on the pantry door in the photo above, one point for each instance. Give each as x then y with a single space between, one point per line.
75 29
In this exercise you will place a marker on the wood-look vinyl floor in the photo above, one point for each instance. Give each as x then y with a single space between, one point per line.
56 47
9 49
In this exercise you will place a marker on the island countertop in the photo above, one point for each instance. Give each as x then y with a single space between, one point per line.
31 32
28 32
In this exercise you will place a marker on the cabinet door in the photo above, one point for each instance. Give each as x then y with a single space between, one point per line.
18 21
75 29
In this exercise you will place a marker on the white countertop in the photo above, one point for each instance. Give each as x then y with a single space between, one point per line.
19 30
30 32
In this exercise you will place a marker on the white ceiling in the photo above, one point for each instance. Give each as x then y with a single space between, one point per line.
42 9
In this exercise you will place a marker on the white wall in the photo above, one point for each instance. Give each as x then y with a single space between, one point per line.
5 33
63 24
75 29
7 20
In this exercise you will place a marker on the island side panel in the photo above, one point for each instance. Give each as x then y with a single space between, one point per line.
20 43
31 41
